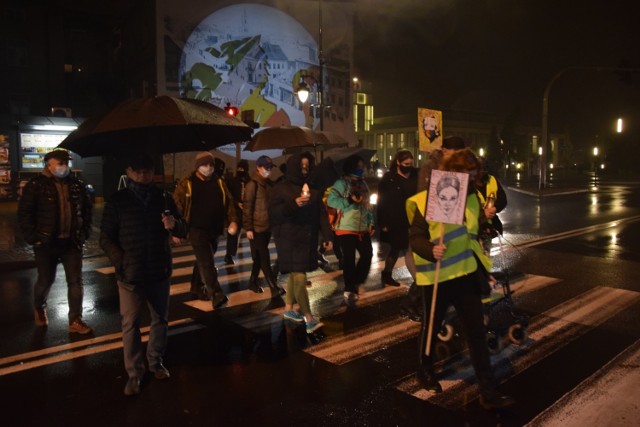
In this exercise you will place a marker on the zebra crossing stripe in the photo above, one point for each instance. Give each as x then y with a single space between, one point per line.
548 332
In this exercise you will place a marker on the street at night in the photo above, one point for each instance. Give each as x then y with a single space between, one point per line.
573 260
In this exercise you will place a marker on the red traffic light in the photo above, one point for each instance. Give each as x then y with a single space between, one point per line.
232 111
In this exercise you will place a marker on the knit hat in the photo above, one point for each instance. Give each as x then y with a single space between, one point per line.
62 155
265 162
204 158
453 143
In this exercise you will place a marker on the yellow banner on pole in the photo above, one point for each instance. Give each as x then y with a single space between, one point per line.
430 129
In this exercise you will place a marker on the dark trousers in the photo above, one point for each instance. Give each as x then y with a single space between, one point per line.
464 294
392 257
47 258
205 244
354 273
233 241
260 255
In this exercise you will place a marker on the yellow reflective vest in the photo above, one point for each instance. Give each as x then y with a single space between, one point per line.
461 241
492 188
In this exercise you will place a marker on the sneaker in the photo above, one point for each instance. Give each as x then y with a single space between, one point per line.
132 387
313 326
161 373
228 260
78 326
40 316
294 315
350 298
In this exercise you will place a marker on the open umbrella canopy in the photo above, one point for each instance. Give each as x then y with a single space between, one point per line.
294 139
156 125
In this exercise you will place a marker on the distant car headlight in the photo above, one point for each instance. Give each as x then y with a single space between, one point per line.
373 199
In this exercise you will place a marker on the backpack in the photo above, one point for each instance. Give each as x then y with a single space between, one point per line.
333 214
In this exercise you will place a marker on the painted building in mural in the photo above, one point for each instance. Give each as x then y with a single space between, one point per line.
255 55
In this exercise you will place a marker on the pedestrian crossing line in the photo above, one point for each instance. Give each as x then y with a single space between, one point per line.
48 356
88 262
364 341
548 332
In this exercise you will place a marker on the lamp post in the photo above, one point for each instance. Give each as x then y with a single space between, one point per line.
303 88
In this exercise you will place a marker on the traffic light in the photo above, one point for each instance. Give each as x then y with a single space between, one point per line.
232 111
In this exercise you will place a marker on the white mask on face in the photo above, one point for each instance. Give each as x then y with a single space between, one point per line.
206 170
264 172
61 171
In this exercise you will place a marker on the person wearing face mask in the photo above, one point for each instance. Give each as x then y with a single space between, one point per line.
206 203
237 186
55 215
256 221
350 196
136 225
395 188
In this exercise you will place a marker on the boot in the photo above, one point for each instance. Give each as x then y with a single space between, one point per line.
388 280
276 290
253 285
427 378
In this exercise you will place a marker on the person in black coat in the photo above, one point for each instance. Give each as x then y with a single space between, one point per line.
237 187
137 223
394 189
296 213
55 215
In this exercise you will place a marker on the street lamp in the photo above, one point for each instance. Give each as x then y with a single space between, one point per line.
303 88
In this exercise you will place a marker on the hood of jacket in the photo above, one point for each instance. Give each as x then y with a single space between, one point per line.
294 170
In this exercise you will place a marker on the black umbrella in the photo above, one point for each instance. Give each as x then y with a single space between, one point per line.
294 139
156 125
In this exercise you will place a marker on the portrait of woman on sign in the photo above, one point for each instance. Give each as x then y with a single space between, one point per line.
447 196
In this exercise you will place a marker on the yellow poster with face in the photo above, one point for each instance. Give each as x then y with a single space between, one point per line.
429 129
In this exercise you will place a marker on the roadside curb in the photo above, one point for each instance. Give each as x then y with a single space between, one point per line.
549 192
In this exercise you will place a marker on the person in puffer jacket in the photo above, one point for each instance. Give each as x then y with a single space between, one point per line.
350 196
137 224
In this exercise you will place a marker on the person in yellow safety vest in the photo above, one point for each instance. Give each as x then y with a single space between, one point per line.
494 199
463 269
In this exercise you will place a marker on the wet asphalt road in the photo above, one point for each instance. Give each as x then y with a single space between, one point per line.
574 259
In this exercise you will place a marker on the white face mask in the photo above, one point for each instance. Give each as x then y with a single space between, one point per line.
206 170
61 171
264 172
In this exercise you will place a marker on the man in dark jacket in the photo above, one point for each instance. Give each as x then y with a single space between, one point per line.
296 212
55 215
256 221
136 226
206 203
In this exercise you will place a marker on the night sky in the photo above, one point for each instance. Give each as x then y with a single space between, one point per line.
498 56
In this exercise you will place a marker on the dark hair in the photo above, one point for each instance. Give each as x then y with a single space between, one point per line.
401 156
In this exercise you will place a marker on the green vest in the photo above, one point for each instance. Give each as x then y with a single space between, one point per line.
461 241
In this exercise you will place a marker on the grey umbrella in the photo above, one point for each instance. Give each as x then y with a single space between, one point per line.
156 125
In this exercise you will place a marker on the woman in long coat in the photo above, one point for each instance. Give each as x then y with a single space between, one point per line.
296 213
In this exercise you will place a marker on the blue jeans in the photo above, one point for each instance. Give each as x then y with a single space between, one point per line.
47 258
132 297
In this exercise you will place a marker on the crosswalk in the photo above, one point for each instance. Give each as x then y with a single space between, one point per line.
548 332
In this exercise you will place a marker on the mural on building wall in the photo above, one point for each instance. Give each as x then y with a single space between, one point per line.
254 56
430 129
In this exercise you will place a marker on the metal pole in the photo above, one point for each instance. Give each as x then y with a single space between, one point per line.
321 62
545 116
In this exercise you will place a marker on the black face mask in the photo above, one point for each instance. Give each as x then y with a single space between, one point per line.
405 169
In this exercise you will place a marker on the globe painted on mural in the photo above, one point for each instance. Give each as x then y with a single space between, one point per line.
253 57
